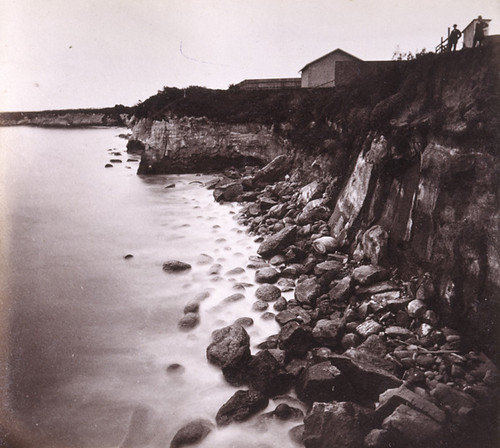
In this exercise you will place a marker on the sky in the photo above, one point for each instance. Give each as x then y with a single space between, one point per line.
57 54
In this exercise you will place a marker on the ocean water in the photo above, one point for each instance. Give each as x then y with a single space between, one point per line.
86 336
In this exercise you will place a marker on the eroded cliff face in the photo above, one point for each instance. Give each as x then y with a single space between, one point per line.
182 145
63 119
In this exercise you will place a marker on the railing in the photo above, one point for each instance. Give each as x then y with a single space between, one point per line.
443 45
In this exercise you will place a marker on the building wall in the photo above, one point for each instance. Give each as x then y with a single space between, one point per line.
269 84
469 33
322 72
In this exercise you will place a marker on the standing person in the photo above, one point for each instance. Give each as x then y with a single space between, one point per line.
479 32
453 38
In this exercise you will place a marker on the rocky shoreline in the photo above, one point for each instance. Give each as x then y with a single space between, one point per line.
368 353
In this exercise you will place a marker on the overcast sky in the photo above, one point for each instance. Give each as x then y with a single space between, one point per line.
94 53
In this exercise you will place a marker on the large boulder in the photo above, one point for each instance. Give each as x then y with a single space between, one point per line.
410 428
339 425
277 242
368 274
375 245
192 433
241 406
266 375
328 332
322 382
175 266
312 212
307 291
272 172
266 275
230 350
295 338
268 293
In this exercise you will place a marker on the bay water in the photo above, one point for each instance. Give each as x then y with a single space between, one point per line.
87 334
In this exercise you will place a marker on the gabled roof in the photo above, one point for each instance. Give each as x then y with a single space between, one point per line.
338 50
474 20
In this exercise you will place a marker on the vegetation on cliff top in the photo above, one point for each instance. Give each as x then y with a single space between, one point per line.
453 94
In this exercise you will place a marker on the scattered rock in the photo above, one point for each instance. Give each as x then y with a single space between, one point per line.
279 241
192 433
189 321
368 274
268 293
307 291
240 407
175 266
244 321
266 275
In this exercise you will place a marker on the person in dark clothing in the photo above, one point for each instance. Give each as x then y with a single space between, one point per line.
479 32
453 38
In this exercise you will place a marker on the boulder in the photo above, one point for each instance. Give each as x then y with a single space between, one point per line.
368 328
272 172
241 406
324 245
339 425
364 373
268 293
266 375
313 211
417 308
333 266
277 242
408 427
341 290
322 382
368 275
234 298
192 433
260 305
311 191
230 350
295 339
175 266
392 398
280 304
375 241
455 399
266 275
307 291
327 332
296 314
189 321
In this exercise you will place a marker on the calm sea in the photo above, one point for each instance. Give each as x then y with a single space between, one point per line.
86 335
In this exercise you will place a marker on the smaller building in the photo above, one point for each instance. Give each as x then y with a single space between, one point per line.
322 72
269 84
468 32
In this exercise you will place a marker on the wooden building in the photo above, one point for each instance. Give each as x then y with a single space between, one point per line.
322 71
269 84
468 32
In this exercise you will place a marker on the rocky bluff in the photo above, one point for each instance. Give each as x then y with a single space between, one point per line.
412 152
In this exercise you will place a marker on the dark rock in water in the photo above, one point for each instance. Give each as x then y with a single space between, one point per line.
189 321
115 161
295 339
244 321
307 291
268 316
230 350
204 259
260 305
234 298
108 165
408 427
236 271
266 275
175 266
191 307
268 293
241 406
175 368
277 242
131 160
169 186
192 433
323 382
128 256
339 425
285 412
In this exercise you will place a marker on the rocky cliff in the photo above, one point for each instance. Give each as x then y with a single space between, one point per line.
117 116
196 144
413 151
